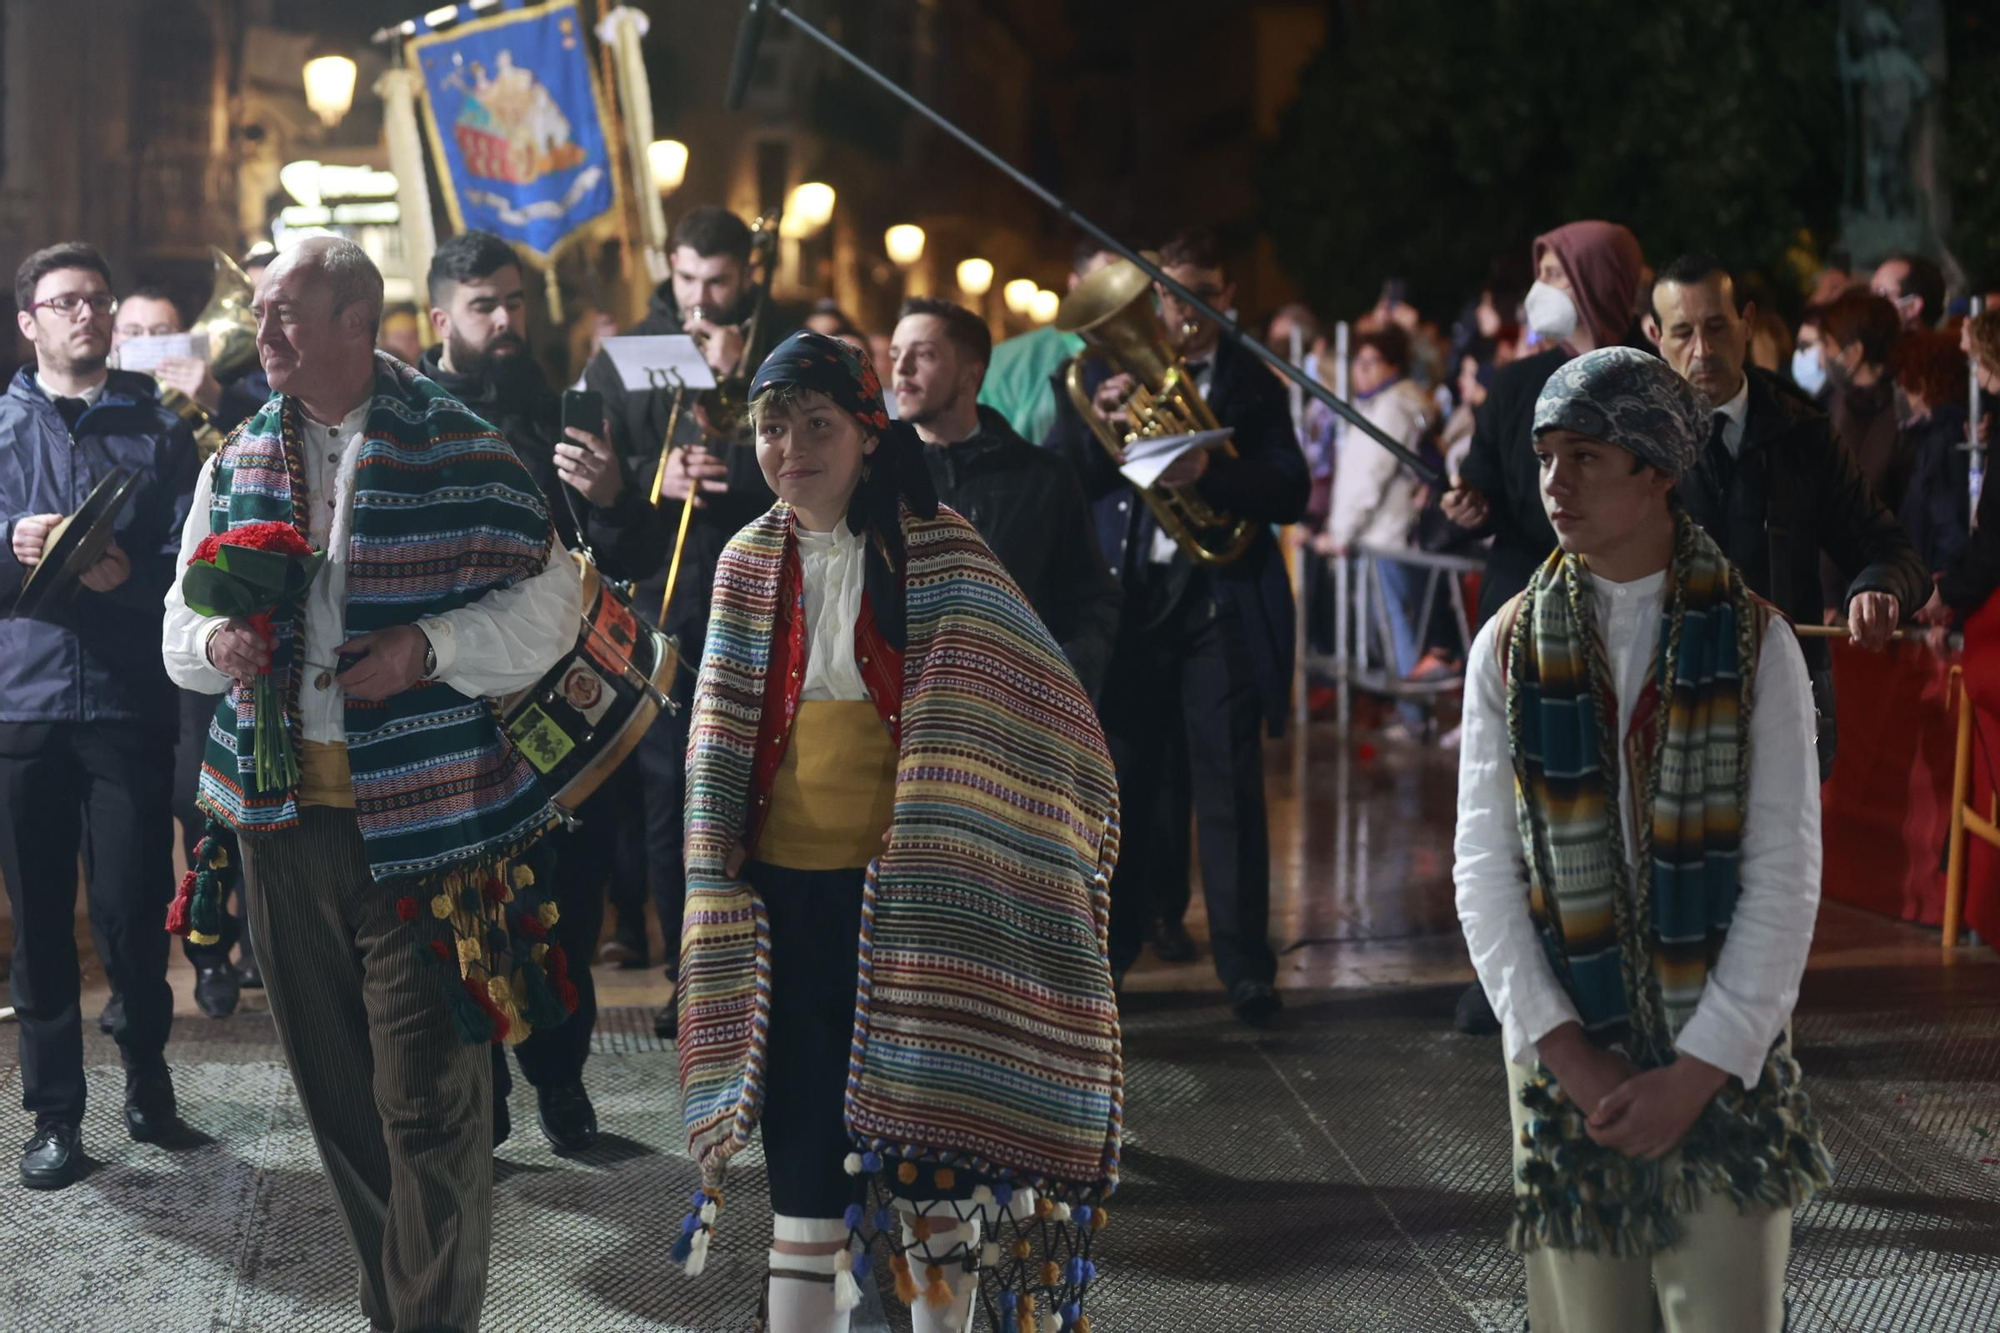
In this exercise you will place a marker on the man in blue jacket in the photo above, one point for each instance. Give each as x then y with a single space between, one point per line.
87 714
1205 653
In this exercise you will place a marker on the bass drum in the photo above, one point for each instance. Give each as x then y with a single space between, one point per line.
577 723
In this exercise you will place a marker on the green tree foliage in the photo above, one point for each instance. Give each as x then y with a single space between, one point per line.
1431 135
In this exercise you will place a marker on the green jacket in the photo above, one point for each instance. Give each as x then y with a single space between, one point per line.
1017 380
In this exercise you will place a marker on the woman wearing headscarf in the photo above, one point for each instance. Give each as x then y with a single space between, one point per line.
1584 297
901 822
1637 870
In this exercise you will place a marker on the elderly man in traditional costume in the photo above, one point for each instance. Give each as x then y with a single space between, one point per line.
1638 872
394 934
901 823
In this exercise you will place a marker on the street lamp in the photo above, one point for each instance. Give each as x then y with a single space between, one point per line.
905 243
808 208
975 276
330 87
1020 295
669 160
1043 306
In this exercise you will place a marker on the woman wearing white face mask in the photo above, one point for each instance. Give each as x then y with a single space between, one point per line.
1587 277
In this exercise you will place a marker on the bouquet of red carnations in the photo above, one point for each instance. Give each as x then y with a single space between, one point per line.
250 573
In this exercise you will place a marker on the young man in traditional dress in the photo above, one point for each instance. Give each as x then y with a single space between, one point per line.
395 938
1638 864
901 824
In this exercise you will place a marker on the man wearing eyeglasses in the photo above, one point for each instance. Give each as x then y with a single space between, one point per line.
87 713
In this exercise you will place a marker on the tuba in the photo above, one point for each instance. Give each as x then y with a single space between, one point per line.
232 345
1112 310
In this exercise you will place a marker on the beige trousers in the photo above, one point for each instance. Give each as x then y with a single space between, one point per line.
1726 1276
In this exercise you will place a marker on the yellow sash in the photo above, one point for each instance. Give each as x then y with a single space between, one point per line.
324 778
835 792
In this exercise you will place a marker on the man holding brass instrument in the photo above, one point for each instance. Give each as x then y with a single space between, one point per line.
1204 646
708 296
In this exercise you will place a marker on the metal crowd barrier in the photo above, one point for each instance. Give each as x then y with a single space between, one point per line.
1363 646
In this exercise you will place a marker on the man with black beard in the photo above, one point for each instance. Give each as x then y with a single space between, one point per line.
480 313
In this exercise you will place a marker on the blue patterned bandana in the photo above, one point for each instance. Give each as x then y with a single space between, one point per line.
1628 399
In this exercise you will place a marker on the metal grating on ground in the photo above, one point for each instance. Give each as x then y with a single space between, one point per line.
1345 1173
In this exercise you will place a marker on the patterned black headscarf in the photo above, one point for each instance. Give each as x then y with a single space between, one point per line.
1626 398
895 473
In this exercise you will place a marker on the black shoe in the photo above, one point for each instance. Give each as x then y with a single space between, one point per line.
1172 943
503 1121
1474 1016
113 1015
248 975
217 989
569 1121
624 950
1255 1002
54 1157
150 1110
667 1023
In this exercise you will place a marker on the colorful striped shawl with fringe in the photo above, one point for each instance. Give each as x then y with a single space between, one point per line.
1633 952
986 1035
443 514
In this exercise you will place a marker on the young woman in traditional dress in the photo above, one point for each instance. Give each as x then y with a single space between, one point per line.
901 821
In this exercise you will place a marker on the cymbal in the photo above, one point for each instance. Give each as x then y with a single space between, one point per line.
75 544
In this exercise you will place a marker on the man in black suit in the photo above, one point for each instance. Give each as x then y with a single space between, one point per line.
1206 652
1776 486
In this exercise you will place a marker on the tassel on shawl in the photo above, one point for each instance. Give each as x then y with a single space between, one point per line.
487 944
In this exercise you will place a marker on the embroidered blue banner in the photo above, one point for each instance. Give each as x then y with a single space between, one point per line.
517 125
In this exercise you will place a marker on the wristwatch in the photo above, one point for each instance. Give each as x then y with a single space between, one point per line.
430 655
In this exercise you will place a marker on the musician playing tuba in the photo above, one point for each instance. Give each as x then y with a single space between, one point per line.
1203 658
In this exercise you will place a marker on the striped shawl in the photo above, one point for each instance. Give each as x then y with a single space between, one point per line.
985 1035
1633 952
443 514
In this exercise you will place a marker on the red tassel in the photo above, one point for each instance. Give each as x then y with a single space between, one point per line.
442 950
496 889
486 1005
529 926
406 908
177 911
555 962
566 992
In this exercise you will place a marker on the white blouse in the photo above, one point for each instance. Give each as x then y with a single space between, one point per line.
831 564
1755 982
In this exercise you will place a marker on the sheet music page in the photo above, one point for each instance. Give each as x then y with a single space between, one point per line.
656 362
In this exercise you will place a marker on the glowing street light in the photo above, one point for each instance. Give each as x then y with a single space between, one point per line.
1020 295
808 208
905 243
1043 306
330 87
669 160
975 277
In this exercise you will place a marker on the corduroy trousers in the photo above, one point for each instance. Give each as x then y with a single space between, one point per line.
1726 1276
400 1107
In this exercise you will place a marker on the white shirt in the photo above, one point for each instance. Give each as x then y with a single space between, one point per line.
503 642
1735 413
1755 982
831 566
89 395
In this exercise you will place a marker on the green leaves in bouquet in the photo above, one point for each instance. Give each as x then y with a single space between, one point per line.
244 580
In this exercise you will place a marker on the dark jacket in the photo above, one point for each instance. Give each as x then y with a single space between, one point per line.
1972 577
1500 465
242 397
1937 501
639 429
1793 493
92 656
629 539
1029 506
1266 482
